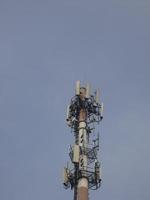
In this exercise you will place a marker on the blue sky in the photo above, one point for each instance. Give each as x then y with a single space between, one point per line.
45 46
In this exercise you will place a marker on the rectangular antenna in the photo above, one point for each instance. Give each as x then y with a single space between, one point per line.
87 90
78 88
97 96
102 109
68 110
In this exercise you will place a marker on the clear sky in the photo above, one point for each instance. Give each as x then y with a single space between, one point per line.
45 46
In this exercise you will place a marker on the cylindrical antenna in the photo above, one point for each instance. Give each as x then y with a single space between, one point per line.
102 109
78 88
97 96
100 172
87 90
68 110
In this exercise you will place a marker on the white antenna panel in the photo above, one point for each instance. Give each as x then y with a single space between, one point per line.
88 90
68 110
65 176
76 153
78 88
102 109
97 96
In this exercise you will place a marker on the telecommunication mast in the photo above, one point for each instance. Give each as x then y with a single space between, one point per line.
84 111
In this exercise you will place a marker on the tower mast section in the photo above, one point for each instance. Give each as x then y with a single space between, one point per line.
84 110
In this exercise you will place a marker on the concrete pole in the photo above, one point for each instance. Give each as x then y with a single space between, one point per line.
83 182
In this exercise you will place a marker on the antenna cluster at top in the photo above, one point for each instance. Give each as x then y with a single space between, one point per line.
83 99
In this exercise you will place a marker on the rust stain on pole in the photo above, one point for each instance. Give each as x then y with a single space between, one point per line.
82 193
82 115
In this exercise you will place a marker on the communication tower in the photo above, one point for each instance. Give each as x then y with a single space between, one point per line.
83 112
